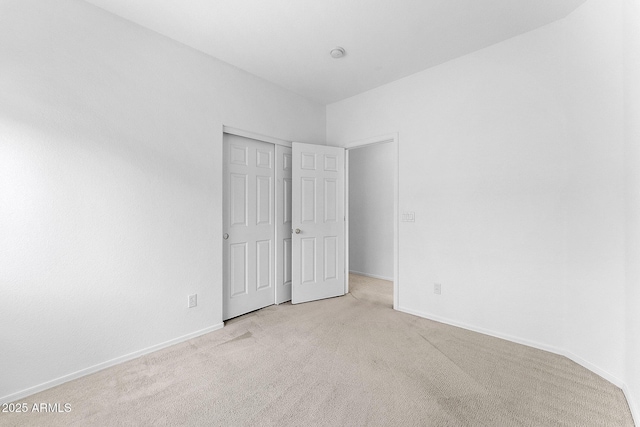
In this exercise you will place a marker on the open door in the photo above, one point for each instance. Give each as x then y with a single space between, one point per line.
318 221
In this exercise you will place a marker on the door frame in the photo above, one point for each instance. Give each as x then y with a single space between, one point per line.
381 139
256 136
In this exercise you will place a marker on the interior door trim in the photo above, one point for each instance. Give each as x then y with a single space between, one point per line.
256 136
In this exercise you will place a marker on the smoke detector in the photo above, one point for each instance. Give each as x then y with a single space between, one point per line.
337 52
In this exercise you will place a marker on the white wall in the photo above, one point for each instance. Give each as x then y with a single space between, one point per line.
110 185
631 15
593 81
481 152
371 210
513 159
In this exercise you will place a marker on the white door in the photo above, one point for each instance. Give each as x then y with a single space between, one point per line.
318 254
283 224
248 222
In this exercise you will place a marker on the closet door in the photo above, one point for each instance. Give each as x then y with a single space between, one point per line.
248 225
283 224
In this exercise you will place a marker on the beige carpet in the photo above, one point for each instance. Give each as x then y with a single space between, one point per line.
347 361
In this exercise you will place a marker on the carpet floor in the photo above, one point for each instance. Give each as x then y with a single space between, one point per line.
346 361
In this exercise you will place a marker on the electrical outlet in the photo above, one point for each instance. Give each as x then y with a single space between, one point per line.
437 288
193 300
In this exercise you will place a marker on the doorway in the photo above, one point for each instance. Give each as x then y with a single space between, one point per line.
372 210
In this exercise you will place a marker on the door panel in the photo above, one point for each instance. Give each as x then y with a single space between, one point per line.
330 258
287 262
238 194
283 220
263 158
264 260
318 256
308 261
330 205
286 204
238 261
263 200
248 198
308 200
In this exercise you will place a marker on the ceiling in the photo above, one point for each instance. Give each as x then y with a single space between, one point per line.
288 41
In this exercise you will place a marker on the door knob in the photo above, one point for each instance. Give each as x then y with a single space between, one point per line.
297 231
225 236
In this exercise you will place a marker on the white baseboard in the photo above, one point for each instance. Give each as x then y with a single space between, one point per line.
635 412
375 276
561 352
593 368
100 366
462 325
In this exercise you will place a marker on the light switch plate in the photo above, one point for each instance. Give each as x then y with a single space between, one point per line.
408 217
